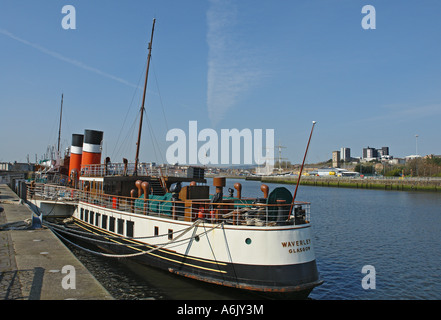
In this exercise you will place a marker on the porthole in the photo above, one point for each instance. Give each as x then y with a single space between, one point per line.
248 241
196 238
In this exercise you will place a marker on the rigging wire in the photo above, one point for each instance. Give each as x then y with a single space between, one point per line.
118 147
212 250
154 141
52 136
160 97
156 146
128 111
152 137
129 137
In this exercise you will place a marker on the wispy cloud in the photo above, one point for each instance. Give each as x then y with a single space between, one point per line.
232 67
405 113
66 59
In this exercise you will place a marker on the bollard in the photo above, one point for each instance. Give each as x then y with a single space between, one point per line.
37 222
132 200
138 186
238 188
23 190
146 188
264 188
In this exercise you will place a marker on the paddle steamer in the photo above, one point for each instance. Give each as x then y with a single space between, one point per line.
172 222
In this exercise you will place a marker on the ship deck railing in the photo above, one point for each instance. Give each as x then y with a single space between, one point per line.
122 169
244 212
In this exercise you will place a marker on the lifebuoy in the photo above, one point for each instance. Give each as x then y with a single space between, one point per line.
201 213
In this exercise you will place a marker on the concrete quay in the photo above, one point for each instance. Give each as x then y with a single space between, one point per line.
34 263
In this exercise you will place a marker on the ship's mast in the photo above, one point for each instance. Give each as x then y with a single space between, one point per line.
143 101
59 128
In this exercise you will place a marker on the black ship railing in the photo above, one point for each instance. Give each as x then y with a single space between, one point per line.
116 169
128 169
51 177
231 211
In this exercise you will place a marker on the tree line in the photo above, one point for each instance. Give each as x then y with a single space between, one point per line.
419 167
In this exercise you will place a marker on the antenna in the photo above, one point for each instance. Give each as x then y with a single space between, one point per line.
280 155
301 168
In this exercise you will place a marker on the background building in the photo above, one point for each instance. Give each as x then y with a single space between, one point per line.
345 154
370 154
385 151
336 159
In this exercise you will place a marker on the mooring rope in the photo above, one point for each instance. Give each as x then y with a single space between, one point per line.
55 225
138 253
77 234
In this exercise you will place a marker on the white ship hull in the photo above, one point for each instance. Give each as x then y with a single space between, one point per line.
268 259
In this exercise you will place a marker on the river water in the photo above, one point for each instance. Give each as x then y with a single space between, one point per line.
396 233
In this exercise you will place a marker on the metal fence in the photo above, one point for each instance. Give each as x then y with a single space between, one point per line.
121 169
249 211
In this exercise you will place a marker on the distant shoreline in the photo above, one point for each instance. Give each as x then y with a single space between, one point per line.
400 184
379 184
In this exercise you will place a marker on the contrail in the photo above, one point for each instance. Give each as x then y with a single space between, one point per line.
232 69
66 59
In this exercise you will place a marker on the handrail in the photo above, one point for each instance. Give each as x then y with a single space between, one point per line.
120 169
231 211
114 169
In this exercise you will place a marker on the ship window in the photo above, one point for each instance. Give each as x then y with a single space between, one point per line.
156 231
248 241
82 214
97 219
170 234
112 224
120 226
91 217
129 231
104 222
86 215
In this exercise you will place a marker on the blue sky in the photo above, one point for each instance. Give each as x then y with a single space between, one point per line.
227 64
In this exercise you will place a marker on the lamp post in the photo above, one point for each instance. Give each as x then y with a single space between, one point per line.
416 144
416 153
